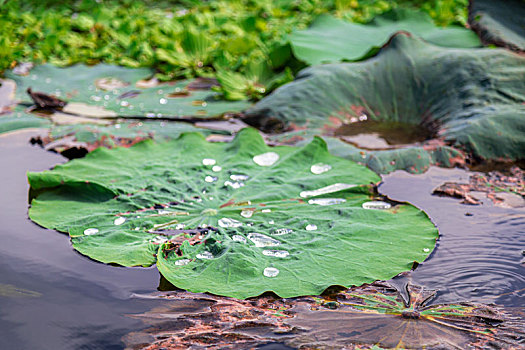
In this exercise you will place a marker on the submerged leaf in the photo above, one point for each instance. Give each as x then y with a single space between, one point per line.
379 314
472 98
186 203
329 39
10 291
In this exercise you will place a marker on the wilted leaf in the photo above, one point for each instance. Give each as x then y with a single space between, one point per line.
506 190
472 98
213 322
378 314
499 23
233 219
329 39
373 316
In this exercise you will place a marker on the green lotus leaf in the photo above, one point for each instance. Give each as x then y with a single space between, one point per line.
471 98
115 89
501 23
234 219
329 39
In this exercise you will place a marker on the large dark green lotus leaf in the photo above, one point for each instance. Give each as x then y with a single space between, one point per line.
500 23
214 201
473 98
18 119
78 83
329 39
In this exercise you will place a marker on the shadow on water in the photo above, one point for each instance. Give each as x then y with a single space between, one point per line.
64 301
479 252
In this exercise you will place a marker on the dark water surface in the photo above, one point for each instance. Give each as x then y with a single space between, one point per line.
54 298
78 304
478 255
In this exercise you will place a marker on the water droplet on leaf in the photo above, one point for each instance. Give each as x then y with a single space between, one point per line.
182 262
266 210
266 159
209 161
270 272
90 231
210 178
282 231
205 255
261 240
234 184
120 220
216 168
239 238
276 253
328 189
376 205
246 213
320 168
239 177
326 201
163 101
227 223
311 227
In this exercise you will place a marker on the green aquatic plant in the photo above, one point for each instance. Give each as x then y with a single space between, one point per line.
472 99
329 39
235 219
179 40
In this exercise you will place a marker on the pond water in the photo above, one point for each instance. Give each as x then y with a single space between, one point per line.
77 303
478 256
54 298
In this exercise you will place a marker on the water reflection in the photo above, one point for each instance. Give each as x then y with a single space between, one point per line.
480 247
82 304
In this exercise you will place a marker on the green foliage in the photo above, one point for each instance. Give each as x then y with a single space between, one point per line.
234 219
329 39
179 39
471 98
